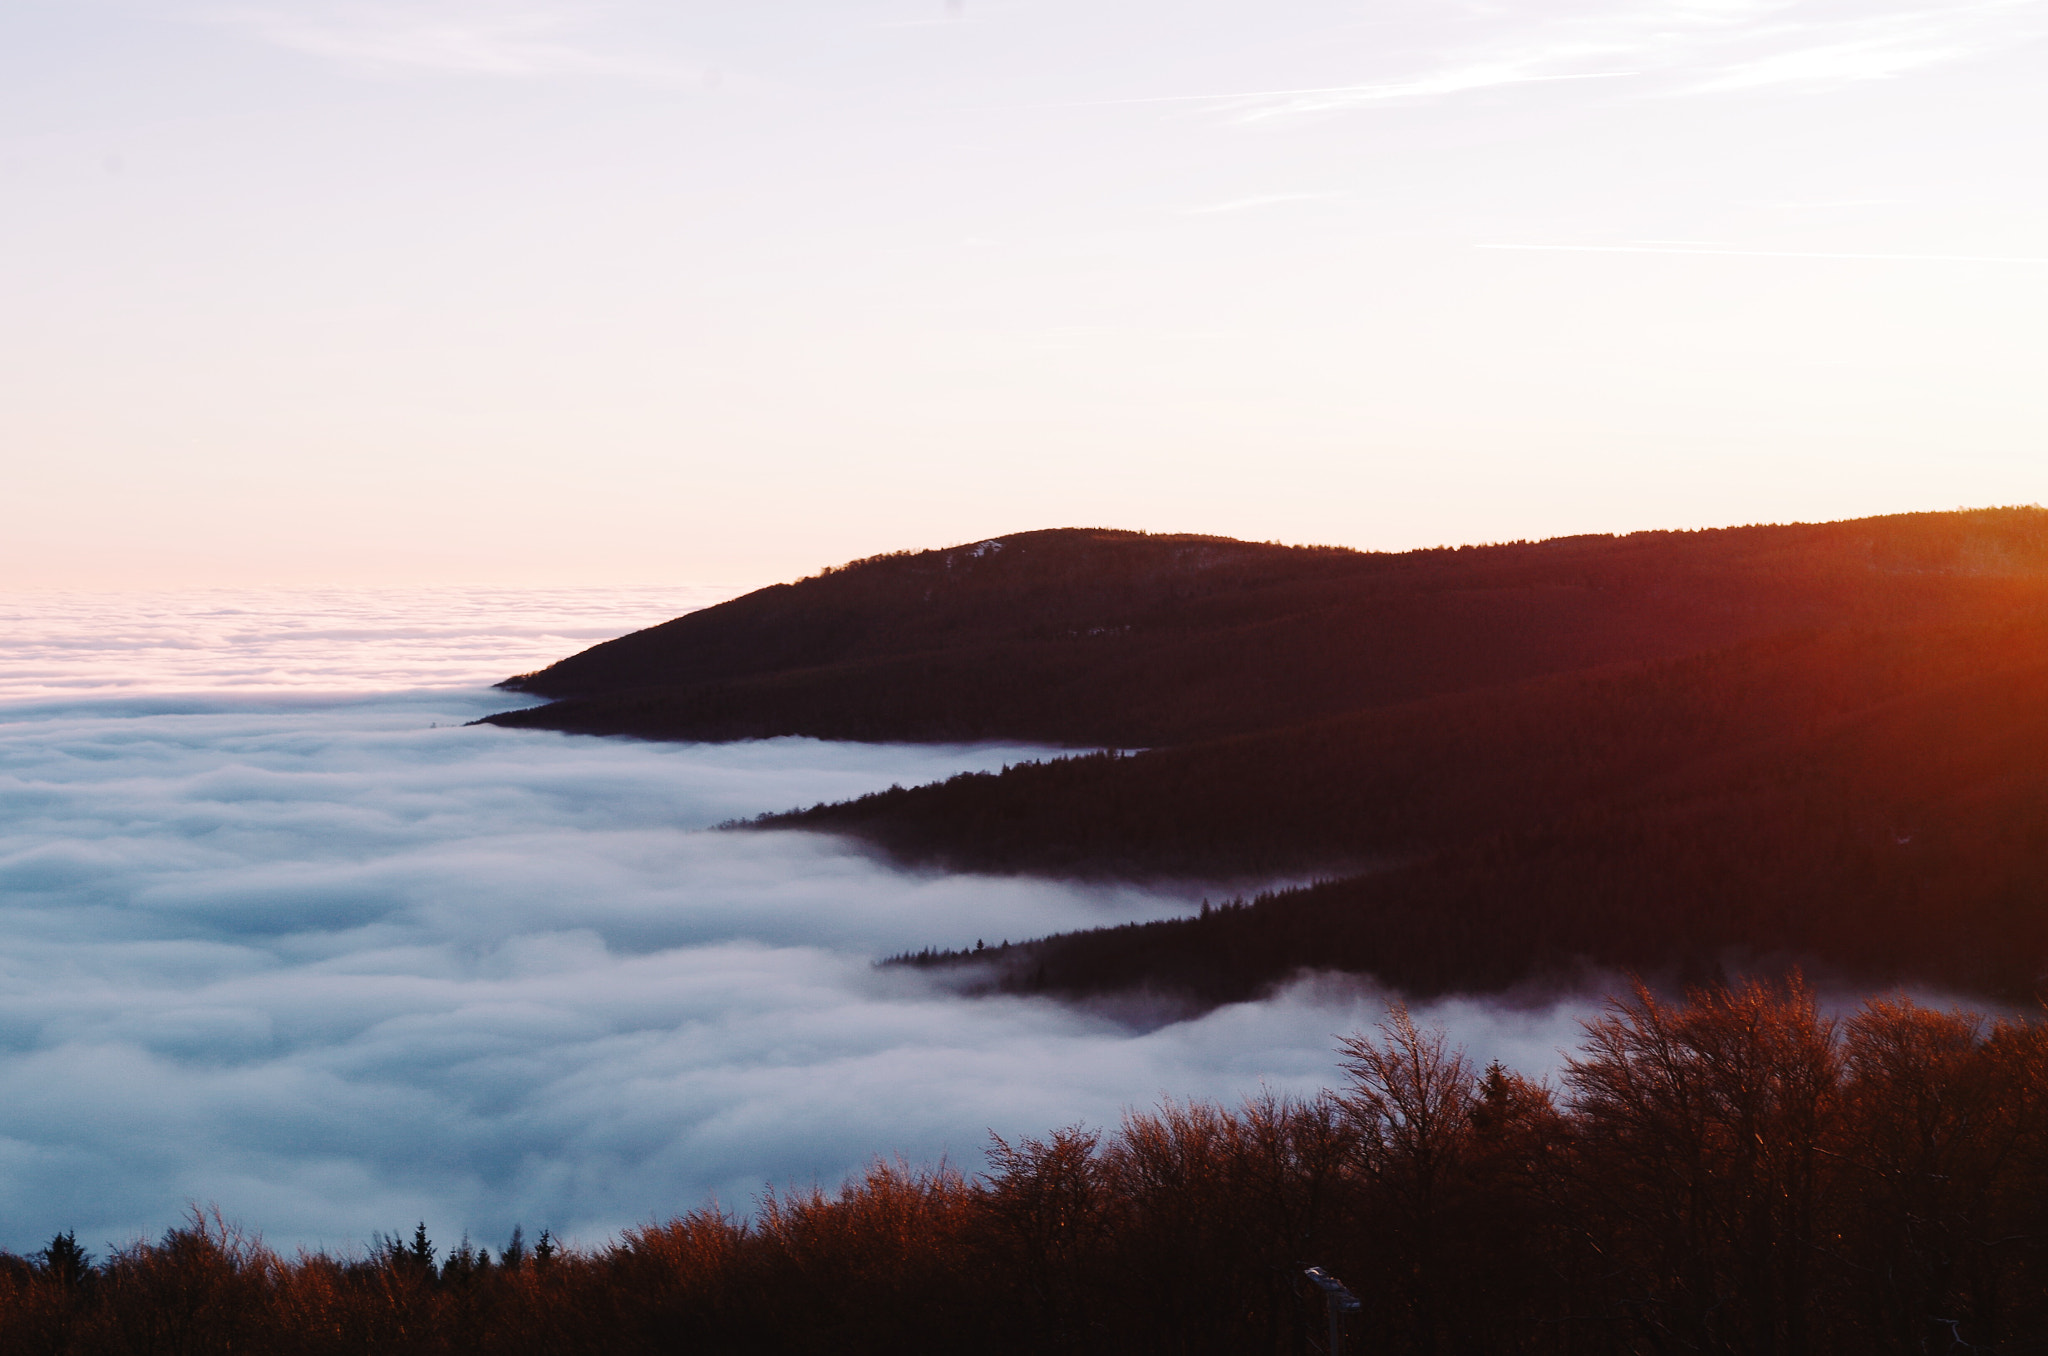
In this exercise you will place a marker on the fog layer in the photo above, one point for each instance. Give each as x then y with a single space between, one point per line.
338 964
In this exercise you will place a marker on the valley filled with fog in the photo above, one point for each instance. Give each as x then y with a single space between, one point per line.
280 932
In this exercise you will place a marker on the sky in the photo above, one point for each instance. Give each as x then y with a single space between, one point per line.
389 293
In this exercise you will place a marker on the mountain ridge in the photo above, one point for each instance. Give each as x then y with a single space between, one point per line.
1663 749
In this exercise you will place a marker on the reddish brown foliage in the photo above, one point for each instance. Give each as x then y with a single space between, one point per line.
1735 1173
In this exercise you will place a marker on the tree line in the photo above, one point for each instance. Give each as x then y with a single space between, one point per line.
1732 1172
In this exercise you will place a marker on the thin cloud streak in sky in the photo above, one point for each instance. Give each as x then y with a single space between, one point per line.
1298 103
1254 203
1673 50
1258 104
1827 52
1776 254
1677 49
1685 48
472 38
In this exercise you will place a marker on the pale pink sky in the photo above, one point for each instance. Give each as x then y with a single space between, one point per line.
587 293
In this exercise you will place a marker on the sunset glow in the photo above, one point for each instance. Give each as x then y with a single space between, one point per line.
1022 676
551 292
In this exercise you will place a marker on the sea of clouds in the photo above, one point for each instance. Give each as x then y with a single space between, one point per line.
280 932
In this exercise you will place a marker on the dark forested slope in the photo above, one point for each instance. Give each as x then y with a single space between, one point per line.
1088 637
1823 742
1906 843
1390 782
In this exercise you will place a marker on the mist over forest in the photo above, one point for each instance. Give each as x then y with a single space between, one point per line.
974 676
1596 945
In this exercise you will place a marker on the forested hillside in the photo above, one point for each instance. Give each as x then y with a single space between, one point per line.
1668 751
1088 637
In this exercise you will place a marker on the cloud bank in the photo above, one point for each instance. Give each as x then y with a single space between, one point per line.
312 640
339 963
